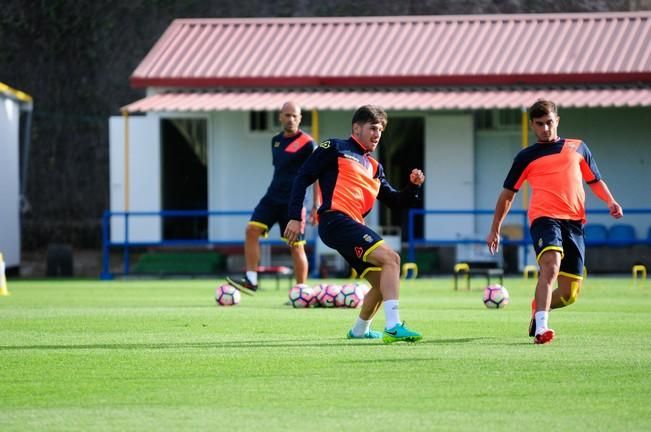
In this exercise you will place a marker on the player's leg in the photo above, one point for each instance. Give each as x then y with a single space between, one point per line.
548 245
300 262
352 240
549 262
370 306
297 249
570 276
261 220
382 256
254 230
569 288
373 298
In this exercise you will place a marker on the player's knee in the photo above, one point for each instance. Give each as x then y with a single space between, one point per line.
549 270
394 257
253 231
389 257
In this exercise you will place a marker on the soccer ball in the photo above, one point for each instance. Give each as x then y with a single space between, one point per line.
316 289
227 295
496 297
328 295
300 296
351 295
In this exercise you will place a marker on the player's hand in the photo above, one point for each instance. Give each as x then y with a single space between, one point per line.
417 177
493 242
292 231
615 210
313 219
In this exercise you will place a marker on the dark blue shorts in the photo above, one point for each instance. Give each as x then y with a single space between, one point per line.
268 212
565 236
353 240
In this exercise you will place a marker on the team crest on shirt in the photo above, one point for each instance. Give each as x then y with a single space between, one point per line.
368 238
359 251
276 144
325 144
540 242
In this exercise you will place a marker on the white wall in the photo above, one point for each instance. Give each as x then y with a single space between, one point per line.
144 177
494 152
239 171
449 167
9 181
464 169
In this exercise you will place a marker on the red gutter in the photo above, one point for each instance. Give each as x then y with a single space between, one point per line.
396 81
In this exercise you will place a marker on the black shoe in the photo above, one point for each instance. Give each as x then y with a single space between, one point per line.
243 285
532 327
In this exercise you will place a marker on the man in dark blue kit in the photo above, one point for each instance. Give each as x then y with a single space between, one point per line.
289 150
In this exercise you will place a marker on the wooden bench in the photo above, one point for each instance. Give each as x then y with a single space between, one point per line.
278 272
464 270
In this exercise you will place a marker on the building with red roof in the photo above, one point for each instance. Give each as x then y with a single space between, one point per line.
455 88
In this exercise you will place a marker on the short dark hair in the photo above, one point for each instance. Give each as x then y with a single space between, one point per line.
370 114
541 108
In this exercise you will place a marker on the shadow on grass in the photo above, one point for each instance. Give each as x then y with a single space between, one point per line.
297 343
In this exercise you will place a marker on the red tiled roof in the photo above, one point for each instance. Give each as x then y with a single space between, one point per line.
541 49
412 99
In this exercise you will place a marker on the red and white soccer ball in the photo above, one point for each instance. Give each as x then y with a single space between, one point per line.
496 297
227 295
351 295
316 289
328 295
301 296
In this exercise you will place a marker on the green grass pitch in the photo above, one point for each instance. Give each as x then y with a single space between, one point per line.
133 355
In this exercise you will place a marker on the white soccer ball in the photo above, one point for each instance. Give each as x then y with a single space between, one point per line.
301 296
328 295
351 295
496 297
227 295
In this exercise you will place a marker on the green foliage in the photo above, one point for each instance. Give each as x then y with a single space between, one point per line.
160 355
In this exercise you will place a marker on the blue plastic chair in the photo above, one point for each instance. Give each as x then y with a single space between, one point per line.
595 234
621 235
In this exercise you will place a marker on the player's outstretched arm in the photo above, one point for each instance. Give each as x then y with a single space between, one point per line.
600 189
502 207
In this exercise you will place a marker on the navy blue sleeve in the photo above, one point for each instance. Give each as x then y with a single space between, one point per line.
590 171
307 175
388 195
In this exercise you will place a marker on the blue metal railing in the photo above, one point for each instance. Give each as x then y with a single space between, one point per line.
525 240
126 244
413 242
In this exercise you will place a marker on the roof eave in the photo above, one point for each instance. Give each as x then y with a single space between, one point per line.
393 81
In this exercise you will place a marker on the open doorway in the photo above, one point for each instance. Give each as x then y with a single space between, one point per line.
401 150
184 156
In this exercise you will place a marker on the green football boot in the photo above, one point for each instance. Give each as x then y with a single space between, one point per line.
371 334
400 332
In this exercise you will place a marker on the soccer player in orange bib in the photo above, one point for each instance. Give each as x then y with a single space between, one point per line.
350 180
555 169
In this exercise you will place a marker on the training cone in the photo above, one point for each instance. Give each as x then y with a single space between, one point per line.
3 278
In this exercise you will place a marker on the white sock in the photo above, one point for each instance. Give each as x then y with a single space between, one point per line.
361 327
541 321
391 313
252 277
